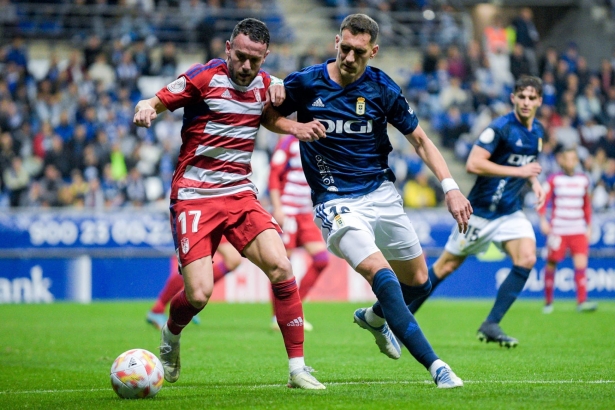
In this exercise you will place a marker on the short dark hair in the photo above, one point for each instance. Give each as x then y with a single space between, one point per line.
528 81
255 29
359 24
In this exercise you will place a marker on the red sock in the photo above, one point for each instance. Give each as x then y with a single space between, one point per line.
220 270
549 284
581 281
181 313
289 314
319 263
174 284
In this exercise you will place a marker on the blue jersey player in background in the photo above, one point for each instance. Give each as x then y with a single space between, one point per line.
504 158
343 108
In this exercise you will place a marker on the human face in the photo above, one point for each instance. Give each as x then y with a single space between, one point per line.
244 59
353 53
569 161
525 103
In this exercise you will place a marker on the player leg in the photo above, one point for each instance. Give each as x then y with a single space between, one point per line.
377 271
556 251
446 264
254 231
579 247
175 283
309 236
231 259
523 254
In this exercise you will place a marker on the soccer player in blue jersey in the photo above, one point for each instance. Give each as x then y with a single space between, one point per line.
504 158
356 205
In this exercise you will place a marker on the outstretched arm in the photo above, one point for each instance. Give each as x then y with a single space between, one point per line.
146 111
478 163
457 203
275 122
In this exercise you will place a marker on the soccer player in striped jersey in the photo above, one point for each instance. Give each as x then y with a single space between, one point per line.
292 208
211 194
504 158
357 207
570 226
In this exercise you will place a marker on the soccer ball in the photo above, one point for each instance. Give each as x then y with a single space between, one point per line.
137 373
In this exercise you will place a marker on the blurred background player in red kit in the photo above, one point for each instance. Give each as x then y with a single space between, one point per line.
231 259
569 227
291 200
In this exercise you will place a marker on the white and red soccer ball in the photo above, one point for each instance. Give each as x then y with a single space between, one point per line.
136 374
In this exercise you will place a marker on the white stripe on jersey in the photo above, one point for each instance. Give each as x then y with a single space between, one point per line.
234 107
569 202
234 131
223 154
212 177
568 223
296 176
222 81
298 190
568 213
570 190
198 193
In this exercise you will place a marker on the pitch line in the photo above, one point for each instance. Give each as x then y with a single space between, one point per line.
269 386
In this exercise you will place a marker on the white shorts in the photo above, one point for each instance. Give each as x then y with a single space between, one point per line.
482 231
369 223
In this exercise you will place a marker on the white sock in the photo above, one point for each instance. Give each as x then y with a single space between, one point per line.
169 335
435 366
373 319
295 363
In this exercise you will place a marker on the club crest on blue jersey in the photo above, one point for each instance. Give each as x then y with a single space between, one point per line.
360 108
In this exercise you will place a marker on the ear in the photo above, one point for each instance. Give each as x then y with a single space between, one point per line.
337 41
374 51
512 98
228 48
266 54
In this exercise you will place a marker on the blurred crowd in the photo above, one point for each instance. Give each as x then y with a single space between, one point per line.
462 89
67 138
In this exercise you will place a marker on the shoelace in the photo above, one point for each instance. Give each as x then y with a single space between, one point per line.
165 348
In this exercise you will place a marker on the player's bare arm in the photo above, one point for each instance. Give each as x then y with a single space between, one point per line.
479 163
275 122
536 186
456 202
146 111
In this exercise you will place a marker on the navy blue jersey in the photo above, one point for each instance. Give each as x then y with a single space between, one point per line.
353 159
511 144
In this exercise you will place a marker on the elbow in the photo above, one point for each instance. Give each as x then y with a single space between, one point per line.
471 168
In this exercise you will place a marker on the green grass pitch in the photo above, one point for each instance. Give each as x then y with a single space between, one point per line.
58 356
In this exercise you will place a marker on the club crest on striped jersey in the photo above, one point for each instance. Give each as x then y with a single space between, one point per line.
177 86
185 245
360 108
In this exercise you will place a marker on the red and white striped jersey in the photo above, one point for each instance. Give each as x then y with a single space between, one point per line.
286 175
571 210
221 120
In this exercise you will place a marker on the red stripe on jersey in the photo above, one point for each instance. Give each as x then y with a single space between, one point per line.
232 94
240 120
231 143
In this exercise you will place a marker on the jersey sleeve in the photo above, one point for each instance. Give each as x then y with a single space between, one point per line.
183 91
293 87
277 166
587 204
489 139
401 115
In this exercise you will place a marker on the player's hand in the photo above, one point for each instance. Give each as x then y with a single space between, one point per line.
311 131
279 216
541 196
276 94
545 228
533 169
144 117
459 206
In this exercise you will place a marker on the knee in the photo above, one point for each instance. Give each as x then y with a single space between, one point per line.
281 270
199 297
320 261
526 260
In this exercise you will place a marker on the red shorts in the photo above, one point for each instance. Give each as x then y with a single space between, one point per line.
199 224
557 246
299 230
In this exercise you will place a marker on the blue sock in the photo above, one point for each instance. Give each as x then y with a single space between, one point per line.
413 295
415 304
508 292
400 320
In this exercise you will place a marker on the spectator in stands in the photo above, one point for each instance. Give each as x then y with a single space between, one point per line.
94 198
527 36
168 60
101 71
91 51
549 96
57 157
566 135
418 193
519 64
135 188
127 71
607 76
571 56
457 66
591 133
608 108
454 95
431 58
16 180
51 183
583 73
495 38
549 61
589 105
454 127
607 143
78 186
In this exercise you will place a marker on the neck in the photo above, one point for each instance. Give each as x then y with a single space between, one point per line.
336 75
527 122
